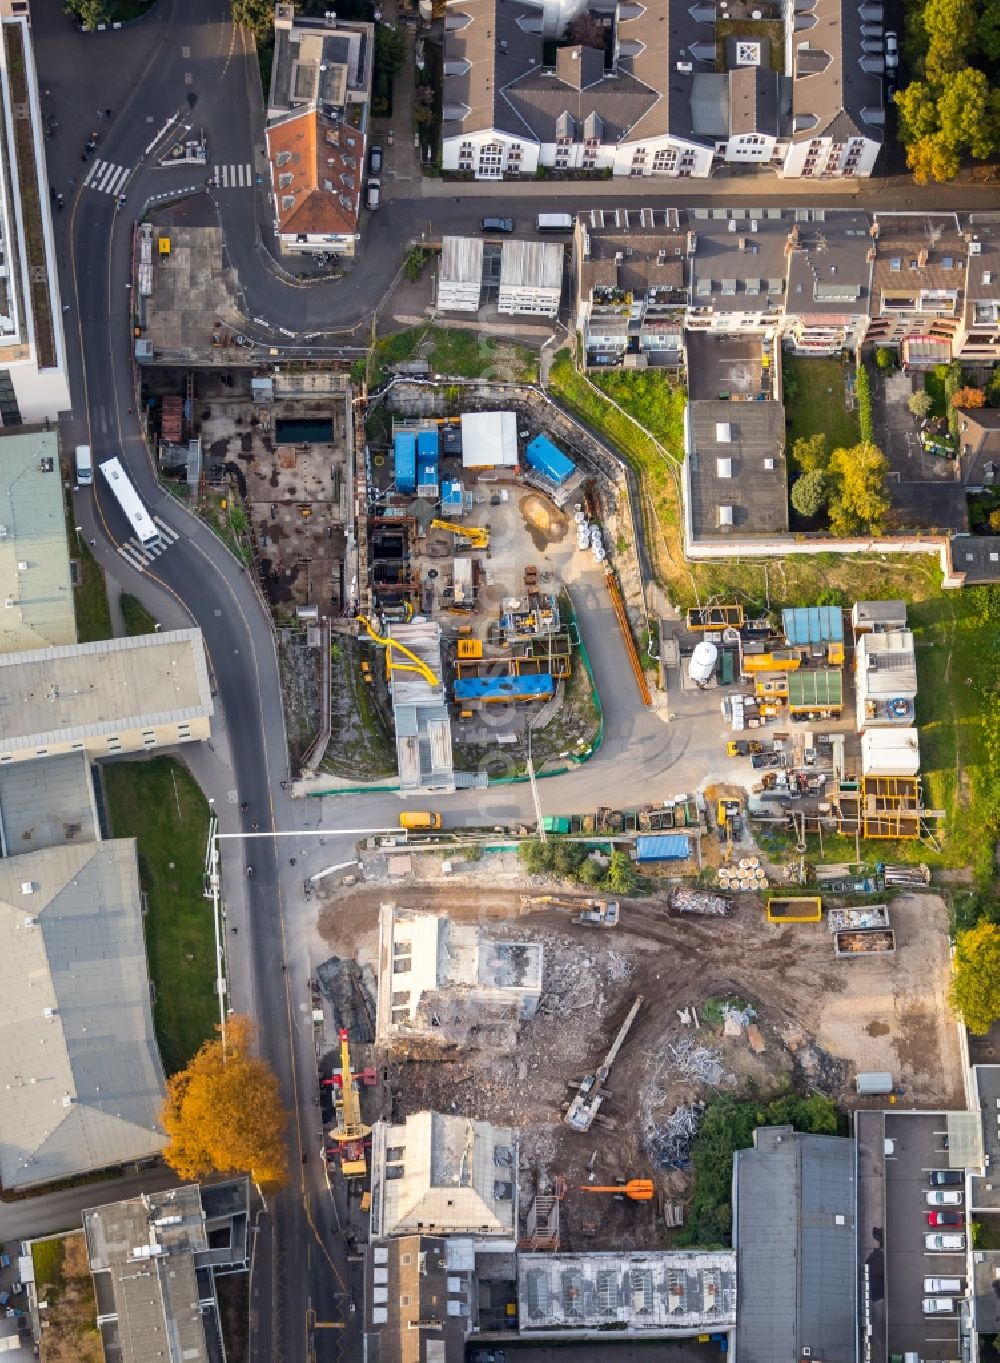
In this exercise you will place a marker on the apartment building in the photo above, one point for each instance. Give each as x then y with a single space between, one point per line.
672 92
828 288
34 383
918 286
321 64
978 339
317 168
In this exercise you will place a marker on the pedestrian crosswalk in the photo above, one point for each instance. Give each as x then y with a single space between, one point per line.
139 555
233 177
106 177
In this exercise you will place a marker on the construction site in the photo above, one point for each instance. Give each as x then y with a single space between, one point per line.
592 1031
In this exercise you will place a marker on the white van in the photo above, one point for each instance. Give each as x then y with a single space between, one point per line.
939 1306
84 466
945 1242
554 222
952 1285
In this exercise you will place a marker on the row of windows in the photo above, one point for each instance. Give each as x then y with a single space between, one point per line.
113 743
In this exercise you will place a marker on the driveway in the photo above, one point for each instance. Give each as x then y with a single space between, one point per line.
926 492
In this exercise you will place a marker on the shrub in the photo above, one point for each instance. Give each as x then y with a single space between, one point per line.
810 493
864 392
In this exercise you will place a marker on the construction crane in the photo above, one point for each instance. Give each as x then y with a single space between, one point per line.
585 1105
478 536
350 1132
414 664
635 1189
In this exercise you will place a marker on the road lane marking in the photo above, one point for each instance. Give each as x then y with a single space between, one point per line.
106 177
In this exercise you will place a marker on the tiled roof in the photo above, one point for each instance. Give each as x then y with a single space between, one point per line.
317 167
488 45
836 86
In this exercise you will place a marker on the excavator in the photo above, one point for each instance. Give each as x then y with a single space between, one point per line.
391 646
635 1189
478 536
350 1132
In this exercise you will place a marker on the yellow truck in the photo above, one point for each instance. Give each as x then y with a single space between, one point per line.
419 818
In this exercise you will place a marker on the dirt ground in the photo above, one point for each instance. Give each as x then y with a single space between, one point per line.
71 1337
821 1020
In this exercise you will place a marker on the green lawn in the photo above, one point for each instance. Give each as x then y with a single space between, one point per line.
454 354
159 803
814 401
138 619
90 596
654 401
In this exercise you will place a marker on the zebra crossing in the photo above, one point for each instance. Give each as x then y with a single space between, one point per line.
233 177
139 555
107 177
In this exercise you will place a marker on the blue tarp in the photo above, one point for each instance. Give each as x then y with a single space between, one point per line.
505 688
663 847
451 497
405 446
806 625
544 457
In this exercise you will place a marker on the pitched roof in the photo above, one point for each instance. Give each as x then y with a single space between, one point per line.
76 1028
753 100
488 45
836 86
316 173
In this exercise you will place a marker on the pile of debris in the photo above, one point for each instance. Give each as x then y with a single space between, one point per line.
669 1140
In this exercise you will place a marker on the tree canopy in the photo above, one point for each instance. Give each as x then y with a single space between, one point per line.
255 14
223 1113
809 453
975 977
809 493
920 403
968 398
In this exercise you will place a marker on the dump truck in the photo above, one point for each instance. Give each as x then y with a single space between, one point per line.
871 917
853 944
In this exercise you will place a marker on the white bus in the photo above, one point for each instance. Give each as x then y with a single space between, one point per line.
130 502
554 222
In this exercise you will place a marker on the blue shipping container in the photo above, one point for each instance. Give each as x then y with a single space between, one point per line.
405 446
428 445
548 459
538 687
663 847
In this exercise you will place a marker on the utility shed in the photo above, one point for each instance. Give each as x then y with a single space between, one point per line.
460 276
819 689
489 440
794 1200
806 626
663 847
548 460
878 615
890 752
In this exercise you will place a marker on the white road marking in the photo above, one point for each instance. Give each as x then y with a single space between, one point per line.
106 177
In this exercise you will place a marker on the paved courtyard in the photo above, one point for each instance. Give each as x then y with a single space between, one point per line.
926 491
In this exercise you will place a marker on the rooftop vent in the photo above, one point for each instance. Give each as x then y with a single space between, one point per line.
725 515
27 887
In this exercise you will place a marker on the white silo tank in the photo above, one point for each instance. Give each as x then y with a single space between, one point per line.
701 668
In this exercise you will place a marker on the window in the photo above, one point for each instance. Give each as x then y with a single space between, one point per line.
665 159
285 180
404 1299
41 752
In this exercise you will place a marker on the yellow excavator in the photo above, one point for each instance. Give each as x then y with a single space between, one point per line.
391 646
350 1132
478 536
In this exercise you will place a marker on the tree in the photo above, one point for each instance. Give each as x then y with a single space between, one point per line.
917 109
255 14
809 493
858 503
932 159
988 31
809 453
621 873
920 403
994 521
969 398
224 1115
967 112
950 27
975 977
390 49
883 358
587 30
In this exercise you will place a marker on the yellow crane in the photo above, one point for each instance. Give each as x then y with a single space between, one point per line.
414 664
350 1131
478 536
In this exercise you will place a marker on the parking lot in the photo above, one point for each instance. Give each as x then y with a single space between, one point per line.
926 491
918 1147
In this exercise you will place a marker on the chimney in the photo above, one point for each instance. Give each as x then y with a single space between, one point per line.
922 257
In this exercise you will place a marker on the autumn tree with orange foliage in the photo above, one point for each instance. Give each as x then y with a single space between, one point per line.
968 398
223 1113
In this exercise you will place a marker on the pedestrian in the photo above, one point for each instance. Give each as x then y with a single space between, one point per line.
93 543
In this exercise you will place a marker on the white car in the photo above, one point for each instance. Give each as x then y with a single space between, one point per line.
891 51
945 1242
944 1197
939 1306
934 1285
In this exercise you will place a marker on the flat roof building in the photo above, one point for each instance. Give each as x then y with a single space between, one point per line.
885 680
444 1175
460 274
35 583
795 1235
734 473
155 1259
320 64
78 1057
443 984
420 713
420 1295
107 697
665 1294
531 274
890 752
47 803
489 440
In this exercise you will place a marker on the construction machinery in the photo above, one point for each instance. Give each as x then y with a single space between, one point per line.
477 535
592 913
587 1101
350 1133
634 1189
393 646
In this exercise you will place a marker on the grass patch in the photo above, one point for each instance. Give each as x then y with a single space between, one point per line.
159 804
90 593
934 386
47 1257
814 401
71 1334
138 620
654 401
230 524
772 29
454 354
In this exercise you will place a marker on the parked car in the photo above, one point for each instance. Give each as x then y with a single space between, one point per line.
374 160
891 51
943 1178
949 1198
939 1306
952 1244
505 225
374 195
953 1285
945 1219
